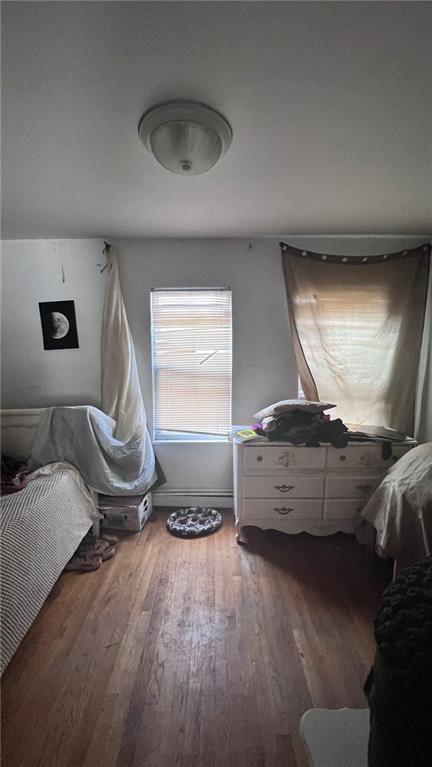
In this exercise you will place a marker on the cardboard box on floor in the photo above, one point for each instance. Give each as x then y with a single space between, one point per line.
126 512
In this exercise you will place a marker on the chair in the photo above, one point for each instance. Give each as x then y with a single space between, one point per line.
336 738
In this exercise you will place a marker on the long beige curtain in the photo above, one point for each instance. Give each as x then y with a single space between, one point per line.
121 391
357 326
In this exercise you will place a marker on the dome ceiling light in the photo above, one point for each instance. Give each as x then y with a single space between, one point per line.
186 137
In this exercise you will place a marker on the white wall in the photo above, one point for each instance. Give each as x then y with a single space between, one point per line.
32 272
264 369
263 363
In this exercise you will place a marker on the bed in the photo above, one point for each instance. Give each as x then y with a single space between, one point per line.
400 509
41 525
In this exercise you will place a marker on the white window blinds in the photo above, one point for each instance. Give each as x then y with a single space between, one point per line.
191 359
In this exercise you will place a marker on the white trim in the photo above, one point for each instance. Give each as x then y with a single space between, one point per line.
18 429
13 412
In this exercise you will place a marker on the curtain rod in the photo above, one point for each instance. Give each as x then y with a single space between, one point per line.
421 249
344 236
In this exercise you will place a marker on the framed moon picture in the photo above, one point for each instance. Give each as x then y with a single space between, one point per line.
58 321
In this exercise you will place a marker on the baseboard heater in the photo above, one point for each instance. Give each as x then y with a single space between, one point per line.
182 498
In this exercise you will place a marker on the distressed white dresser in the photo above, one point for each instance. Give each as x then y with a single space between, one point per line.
318 490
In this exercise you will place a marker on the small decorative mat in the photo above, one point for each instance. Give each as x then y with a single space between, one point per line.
195 521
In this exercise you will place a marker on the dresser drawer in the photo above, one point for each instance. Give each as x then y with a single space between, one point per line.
343 509
351 487
282 509
364 456
292 486
297 458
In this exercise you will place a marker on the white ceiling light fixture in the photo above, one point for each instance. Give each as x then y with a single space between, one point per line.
186 137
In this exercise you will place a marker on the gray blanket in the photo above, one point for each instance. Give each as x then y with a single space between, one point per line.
84 436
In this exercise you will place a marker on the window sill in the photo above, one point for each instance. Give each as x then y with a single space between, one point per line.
215 441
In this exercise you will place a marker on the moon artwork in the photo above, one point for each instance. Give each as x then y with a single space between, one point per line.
59 325
59 329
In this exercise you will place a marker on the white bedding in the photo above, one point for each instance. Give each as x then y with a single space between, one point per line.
400 509
41 527
86 438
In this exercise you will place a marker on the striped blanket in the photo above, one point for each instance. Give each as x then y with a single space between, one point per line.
41 527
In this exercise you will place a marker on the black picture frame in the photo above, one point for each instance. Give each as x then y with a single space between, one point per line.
59 328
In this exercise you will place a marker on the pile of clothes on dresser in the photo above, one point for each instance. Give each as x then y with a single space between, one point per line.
301 422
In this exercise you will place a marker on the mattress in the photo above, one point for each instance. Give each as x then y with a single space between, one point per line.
41 527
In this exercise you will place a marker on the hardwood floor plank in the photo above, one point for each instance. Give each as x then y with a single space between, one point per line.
192 652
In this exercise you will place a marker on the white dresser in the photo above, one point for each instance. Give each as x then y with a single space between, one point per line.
317 490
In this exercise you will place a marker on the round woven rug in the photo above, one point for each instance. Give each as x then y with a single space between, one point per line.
195 521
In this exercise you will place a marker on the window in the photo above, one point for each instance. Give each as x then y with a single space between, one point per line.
191 364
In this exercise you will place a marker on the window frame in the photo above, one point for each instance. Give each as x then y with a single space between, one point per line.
192 437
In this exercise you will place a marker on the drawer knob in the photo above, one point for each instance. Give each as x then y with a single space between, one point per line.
283 510
364 488
283 488
259 457
342 457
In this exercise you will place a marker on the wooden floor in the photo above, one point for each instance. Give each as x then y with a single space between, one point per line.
198 653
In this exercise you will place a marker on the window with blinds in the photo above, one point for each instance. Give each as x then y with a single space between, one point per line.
191 363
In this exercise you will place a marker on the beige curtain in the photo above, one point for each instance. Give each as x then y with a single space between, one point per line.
423 409
357 327
121 391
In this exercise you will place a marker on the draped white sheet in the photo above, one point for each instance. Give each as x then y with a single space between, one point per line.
111 449
85 437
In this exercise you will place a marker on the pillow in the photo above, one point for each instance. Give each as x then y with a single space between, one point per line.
287 405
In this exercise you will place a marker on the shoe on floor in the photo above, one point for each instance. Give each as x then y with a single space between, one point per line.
84 562
96 546
107 553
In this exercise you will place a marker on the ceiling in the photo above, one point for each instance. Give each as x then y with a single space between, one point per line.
330 105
